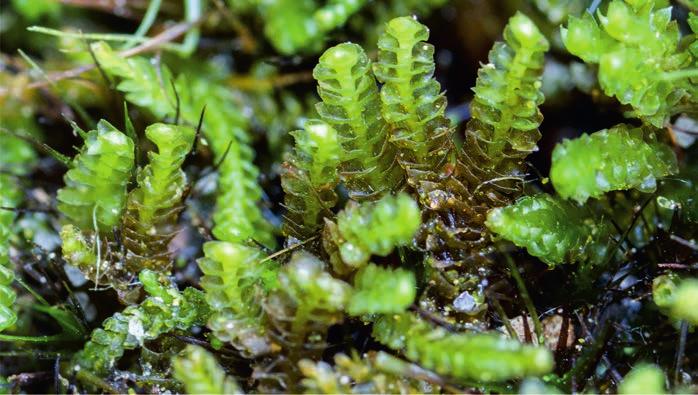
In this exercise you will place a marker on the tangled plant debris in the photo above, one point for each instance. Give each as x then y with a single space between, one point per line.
348 196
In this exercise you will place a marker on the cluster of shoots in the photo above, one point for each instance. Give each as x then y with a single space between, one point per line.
235 225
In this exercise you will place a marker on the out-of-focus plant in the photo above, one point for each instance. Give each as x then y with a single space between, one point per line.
641 60
199 372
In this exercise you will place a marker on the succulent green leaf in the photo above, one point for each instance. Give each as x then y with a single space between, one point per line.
234 279
412 103
505 114
315 292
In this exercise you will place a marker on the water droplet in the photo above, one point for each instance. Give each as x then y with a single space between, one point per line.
649 184
135 329
465 303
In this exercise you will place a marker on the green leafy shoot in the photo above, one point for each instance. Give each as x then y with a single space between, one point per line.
641 61
505 114
611 159
643 379
379 290
552 229
233 280
362 230
411 100
154 206
165 310
95 187
309 178
224 128
200 373
482 357
350 103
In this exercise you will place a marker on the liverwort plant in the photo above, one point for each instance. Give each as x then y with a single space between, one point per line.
318 196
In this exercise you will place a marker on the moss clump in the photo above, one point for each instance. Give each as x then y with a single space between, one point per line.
348 196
